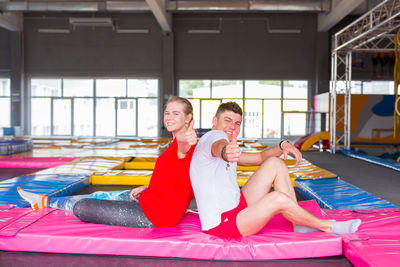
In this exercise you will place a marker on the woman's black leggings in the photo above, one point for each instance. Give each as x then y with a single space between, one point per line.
112 212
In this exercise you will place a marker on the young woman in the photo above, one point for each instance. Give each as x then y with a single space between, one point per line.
162 203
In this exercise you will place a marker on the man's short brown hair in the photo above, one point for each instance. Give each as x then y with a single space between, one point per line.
231 106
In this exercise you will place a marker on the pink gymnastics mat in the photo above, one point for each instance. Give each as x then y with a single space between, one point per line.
377 241
57 231
33 162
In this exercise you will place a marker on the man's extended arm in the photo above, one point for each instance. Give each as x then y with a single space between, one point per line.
229 152
257 158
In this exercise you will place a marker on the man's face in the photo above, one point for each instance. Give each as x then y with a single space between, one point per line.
228 122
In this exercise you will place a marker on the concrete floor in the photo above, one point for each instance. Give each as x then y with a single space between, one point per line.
378 180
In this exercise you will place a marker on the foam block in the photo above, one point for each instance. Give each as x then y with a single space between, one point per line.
87 165
148 163
140 163
33 163
372 159
307 170
62 232
333 193
140 177
377 241
121 177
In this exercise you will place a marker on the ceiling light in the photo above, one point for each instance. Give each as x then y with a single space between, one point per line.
91 22
204 31
144 31
65 31
284 31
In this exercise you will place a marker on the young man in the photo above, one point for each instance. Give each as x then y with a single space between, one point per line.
226 210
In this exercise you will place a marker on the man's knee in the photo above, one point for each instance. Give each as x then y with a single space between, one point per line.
280 200
274 163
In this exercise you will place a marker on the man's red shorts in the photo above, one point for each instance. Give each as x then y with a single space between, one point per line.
228 226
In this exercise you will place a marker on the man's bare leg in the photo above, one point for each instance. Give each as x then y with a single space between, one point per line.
253 218
263 205
272 171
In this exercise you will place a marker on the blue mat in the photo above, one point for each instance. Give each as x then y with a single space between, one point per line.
372 159
333 193
45 184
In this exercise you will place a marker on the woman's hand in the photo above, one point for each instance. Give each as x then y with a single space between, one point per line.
134 194
186 139
188 136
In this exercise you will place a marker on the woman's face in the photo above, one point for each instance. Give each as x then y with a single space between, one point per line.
175 118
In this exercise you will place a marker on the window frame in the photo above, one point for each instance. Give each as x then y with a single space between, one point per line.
94 98
262 99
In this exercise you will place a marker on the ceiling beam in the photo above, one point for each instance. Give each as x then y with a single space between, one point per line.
12 21
339 10
158 7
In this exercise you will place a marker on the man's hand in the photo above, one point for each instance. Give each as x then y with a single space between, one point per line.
134 194
232 150
188 136
288 148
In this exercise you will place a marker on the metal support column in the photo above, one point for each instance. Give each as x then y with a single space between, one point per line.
347 101
340 113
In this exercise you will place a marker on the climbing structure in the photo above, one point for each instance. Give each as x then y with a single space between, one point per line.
372 32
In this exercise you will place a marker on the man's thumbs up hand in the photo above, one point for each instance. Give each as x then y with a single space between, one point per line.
232 150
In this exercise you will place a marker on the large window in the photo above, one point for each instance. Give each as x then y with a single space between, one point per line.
272 108
94 107
295 95
5 102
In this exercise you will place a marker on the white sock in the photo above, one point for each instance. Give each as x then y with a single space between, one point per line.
339 228
345 227
37 201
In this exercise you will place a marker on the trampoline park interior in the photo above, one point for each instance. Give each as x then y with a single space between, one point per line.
82 89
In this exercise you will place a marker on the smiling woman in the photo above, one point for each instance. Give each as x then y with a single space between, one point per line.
178 113
162 203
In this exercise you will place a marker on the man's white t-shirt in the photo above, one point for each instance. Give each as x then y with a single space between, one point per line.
213 180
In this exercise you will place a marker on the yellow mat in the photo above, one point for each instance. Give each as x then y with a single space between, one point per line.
121 177
305 170
139 163
148 163
139 177
243 176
